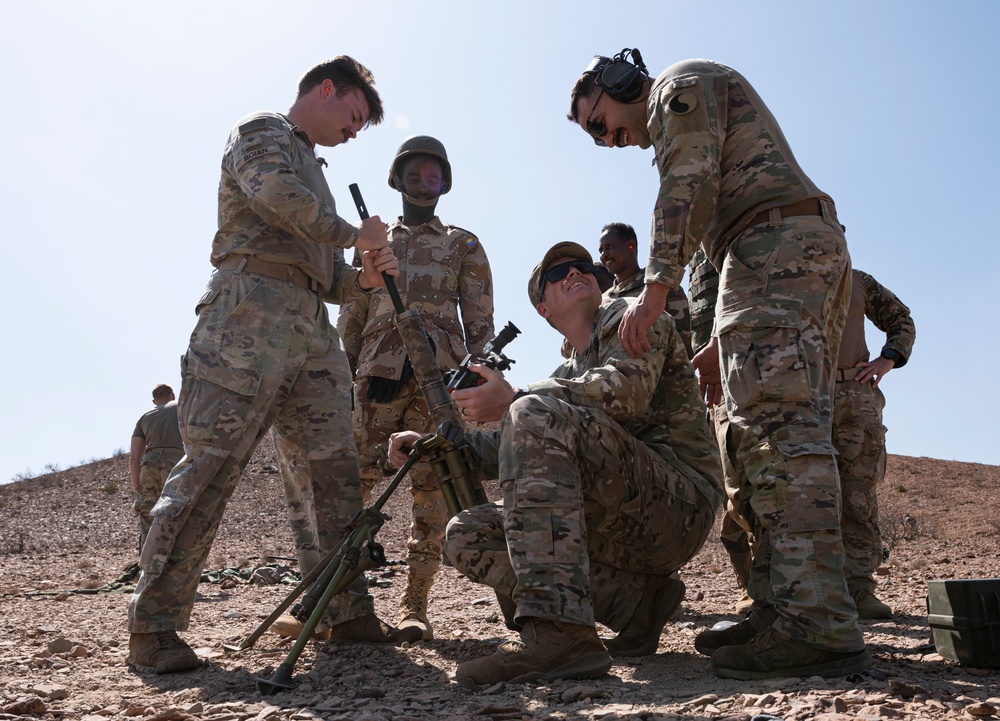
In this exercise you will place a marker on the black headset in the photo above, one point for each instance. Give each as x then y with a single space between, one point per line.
622 77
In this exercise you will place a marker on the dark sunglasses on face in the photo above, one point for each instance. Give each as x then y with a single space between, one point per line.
560 271
596 128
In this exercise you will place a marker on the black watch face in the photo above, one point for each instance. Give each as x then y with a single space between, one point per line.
891 355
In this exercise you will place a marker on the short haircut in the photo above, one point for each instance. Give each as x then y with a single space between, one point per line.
162 391
583 88
622 230
345 72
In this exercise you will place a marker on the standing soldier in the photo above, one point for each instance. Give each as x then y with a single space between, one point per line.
858 433
445 275
156 449
619 251
264 355
729 181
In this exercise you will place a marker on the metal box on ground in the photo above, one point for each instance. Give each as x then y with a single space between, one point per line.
964 616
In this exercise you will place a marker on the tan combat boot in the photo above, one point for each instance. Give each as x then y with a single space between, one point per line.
641 635
869 606
771 655
161 652
290 627
413 605
745 603
742 562
547 650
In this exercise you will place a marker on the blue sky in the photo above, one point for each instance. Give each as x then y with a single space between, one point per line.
116 115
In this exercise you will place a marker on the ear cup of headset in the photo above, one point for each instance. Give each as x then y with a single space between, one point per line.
621 80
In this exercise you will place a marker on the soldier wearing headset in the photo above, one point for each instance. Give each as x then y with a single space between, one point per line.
729 181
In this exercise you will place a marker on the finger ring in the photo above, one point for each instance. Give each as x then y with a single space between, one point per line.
462 410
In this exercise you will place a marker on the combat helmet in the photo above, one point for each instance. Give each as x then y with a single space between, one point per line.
422 145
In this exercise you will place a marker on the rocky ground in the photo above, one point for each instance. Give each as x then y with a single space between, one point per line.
63 644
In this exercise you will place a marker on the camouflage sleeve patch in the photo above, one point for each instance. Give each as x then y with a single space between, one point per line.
469 239
258 124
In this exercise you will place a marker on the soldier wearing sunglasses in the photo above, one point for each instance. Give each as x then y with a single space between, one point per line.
609 478
729 182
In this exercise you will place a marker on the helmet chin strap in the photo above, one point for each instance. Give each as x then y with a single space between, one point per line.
420 202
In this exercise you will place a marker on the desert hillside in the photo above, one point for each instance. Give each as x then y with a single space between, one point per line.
66 535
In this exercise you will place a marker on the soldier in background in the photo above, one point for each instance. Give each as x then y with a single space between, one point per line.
156 449
619 251
264 355
609 486
858 432
703 290
445 275
729 181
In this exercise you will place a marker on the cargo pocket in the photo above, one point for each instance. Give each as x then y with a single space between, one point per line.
218 398
806 488
551 520
762 355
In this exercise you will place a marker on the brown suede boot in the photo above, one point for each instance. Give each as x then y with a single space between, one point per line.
641 635
413 605
161 652
369 629
771 655
547 650
290 627
869 606
708 642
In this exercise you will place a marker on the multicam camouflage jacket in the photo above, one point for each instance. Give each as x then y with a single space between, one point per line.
654 397
275 204
881 306
677 300
444 274
722 158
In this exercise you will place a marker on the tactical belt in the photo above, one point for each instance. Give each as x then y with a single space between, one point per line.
810 206
279 271
847 374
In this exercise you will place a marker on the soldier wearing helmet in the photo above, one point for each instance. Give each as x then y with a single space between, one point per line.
445 274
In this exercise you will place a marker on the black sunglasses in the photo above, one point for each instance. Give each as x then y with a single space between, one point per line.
560 271
595 128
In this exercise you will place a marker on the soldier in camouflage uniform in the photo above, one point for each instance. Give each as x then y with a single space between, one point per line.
445 275
729 181
609 486
156 448
264 355
858 433
619 251
703 290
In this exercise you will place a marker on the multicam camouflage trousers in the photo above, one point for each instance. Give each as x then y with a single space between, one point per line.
373 424
589 515
156 466
859 437
263 354
784 292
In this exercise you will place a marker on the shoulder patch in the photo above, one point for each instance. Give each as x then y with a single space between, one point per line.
466 236
682 103
258 124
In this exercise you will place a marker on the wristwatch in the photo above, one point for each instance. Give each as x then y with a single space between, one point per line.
890 354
